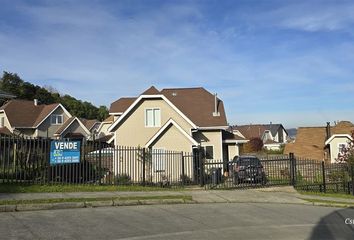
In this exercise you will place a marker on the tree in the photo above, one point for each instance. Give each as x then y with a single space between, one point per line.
254 145
347 153
102 113
12 83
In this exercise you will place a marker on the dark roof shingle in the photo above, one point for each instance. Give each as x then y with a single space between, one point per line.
22 113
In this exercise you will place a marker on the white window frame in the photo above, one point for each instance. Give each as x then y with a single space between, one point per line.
56 117
156 122
158 159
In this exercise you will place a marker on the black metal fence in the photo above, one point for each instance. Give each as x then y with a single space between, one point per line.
27 161
304 174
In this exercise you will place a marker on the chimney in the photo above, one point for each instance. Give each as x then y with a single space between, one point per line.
35 101
216 113
328 130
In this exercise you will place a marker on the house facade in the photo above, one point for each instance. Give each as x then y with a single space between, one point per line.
179 119
272 135
31 119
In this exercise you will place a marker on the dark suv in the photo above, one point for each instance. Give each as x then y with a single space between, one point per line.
247 169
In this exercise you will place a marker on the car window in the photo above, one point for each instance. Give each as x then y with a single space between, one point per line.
248 162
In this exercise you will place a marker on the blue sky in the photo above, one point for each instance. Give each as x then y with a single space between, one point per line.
289 62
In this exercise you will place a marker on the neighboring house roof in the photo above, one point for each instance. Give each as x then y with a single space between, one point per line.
232 138
251 131
89 123
67 124
121 105
109 119
4 94
310 143
347 136
24 114
257 130
273 128
197 104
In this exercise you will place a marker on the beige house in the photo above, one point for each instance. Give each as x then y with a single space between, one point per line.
30 119
178 119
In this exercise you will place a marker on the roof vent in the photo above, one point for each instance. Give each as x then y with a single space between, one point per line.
35 102
174 94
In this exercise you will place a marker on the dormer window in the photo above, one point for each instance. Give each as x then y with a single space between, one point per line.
152 117
56 119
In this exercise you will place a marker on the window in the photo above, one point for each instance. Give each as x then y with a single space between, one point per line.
2 121
158 160
56 119
341 147
152 117
209 152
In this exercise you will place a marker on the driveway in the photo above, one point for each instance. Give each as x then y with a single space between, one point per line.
186 221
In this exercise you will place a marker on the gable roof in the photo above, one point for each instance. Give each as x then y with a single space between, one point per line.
151 91
89 123
257 130
230 137
251 131
109 119
67 124
121 105
169 123
329 140
196 105
24 114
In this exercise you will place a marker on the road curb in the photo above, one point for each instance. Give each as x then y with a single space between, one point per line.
90 204
340 205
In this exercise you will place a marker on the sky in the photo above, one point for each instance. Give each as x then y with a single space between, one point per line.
289 62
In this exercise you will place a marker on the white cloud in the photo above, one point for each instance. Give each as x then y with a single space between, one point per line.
315 16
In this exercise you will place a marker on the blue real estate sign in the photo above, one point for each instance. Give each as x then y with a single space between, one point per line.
64 152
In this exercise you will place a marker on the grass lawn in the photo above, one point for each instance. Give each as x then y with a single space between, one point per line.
336 195
24 188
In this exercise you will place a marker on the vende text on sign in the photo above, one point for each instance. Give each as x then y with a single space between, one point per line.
64 152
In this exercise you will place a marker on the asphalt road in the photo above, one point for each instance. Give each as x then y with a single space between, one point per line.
190 221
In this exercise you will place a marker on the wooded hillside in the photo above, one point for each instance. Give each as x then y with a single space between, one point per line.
12 83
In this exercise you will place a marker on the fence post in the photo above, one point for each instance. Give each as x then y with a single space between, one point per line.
183 174
324 176
100 161
292 169
201 167
144 161
352 168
